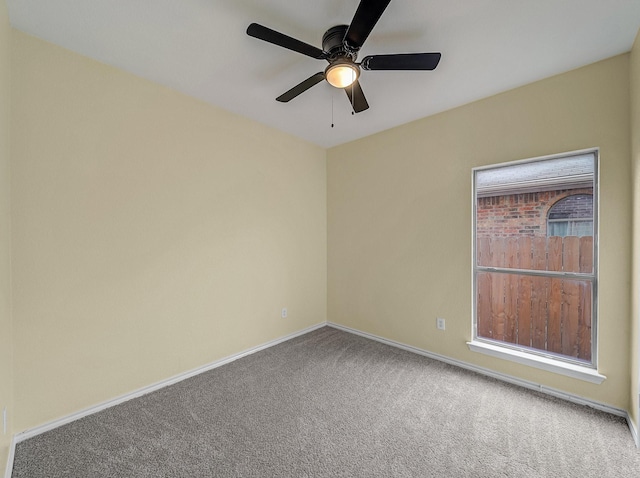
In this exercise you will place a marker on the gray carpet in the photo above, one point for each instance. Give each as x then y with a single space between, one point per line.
332 404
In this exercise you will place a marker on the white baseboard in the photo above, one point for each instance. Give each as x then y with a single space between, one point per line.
634 431
12 453
500 376
24 435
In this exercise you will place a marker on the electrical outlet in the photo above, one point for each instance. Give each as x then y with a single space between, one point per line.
284 313
440 323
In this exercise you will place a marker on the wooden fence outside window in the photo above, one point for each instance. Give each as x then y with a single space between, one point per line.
545 313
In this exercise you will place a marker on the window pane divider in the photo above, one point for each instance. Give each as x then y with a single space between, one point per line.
539 273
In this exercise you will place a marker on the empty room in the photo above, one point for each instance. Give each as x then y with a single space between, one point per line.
213 262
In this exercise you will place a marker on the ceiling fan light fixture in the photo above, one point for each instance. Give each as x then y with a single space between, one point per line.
342 73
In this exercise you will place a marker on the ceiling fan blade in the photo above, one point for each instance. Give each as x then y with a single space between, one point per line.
301 88
267 34
356 97
365 18
402 61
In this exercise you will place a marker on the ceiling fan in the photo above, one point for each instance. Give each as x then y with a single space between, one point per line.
340 46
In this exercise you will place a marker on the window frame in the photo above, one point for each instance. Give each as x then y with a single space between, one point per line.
534 357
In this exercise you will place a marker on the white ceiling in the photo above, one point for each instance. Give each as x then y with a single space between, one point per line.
200 47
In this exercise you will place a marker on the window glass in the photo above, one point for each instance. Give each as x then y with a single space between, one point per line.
535 268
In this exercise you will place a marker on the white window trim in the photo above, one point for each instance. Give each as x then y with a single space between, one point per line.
587 372
569 369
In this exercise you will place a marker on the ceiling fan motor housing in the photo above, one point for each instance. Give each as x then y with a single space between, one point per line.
334 45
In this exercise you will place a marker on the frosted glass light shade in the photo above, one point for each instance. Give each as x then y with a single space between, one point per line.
342 74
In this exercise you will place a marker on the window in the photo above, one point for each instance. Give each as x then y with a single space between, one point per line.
571 216
535 267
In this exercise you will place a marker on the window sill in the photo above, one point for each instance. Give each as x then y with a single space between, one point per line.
570 370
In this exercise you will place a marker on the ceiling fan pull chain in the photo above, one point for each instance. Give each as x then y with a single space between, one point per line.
353 96
353 100
332 109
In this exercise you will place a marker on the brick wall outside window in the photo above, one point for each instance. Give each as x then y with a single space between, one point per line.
520 214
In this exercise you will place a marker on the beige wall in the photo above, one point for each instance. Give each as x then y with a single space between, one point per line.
6 340
399 217
635 288
6 337
152 233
